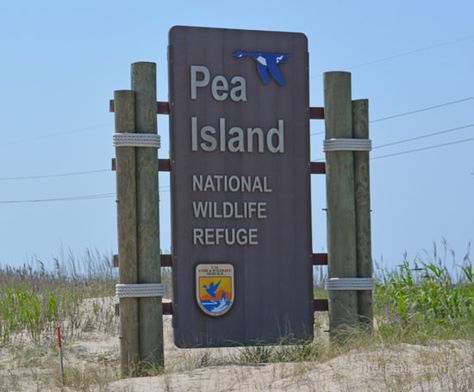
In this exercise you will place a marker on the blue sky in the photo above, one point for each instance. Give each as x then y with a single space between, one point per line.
61 62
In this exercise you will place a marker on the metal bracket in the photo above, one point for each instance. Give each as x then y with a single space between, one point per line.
138 290
136 140
343 144
349 284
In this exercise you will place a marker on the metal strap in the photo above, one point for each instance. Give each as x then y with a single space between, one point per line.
136 140
342 144
349 284
132 290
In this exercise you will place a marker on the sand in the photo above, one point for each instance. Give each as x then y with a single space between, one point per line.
94 356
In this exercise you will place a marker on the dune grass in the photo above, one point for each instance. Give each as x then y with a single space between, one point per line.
418 299
423 300
420 302
33 300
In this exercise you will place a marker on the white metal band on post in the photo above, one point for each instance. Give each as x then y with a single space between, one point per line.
349 284
342 144
132 290
136 140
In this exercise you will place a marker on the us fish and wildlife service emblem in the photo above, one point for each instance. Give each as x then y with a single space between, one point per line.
215 288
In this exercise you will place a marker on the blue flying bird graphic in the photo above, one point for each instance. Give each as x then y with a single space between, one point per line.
212 288
266 63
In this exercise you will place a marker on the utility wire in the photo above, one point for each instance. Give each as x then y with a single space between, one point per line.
412 112
58 175
96 196
167 186
423 136
71 198
422 109
424 148
408 52
61 133
79 173
109 195
446 43
444 131
312 134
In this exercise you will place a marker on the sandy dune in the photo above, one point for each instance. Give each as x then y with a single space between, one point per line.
447 366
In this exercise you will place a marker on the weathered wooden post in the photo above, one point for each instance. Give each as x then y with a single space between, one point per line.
140 288
124 102
347 177
360 122
148 238
341 223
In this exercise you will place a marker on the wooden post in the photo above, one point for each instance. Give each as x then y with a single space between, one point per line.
341 223
360 121
149 266
127 230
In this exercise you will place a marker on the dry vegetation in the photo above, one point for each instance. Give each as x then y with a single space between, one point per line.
423 340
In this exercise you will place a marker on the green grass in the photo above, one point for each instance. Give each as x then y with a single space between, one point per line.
283 352
420 302
426 299
416 303
417 300
35 300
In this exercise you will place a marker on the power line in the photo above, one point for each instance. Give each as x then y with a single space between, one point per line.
408 52
61 133
60 175
164 188
422 109
412 112
424 148
312 134
109 195
444 131
71 198
79 173
167 186
424 136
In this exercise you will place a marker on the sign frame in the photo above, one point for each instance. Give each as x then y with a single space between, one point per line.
214 93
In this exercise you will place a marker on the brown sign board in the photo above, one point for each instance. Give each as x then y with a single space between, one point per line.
240 182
